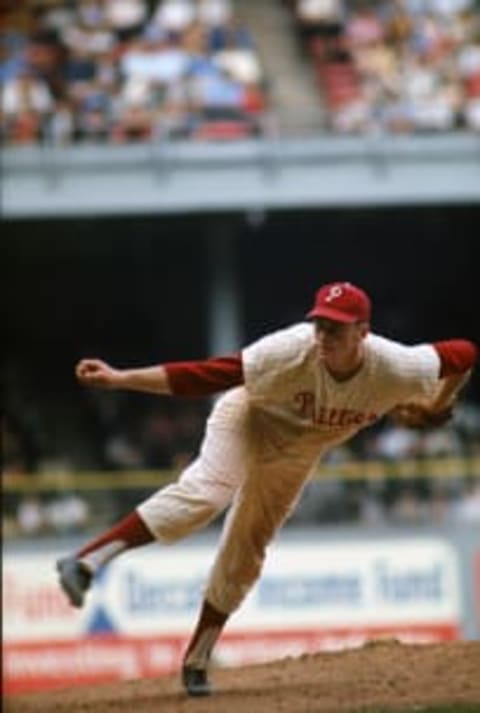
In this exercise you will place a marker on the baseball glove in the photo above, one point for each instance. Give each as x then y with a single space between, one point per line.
420 417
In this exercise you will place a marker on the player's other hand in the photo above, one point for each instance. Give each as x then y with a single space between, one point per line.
417 415
94 372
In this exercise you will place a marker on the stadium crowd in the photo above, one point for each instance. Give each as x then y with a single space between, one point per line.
399 66
127 70
136 70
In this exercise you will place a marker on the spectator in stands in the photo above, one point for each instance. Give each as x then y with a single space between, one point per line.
352 116
30 516
61 128
90 39
93 114
471 114
377 62
79 70
215 14
217 94
26 104
439 442
364 26
319 19
371 511
407 507
446 7
122 452
174 17
12 56
58 17
239 64
125 17
467 509
151 57
232 33
398 24
395 443
91 13
67 514
468 65
44 53
467 425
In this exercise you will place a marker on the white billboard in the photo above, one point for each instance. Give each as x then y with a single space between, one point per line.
143 606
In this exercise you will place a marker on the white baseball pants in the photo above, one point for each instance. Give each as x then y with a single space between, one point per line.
231 468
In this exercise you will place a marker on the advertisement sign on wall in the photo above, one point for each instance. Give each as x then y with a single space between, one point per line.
137 618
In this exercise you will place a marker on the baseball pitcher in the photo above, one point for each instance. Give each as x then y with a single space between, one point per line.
290 397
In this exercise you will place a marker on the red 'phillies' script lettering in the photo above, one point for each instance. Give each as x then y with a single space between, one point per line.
305 408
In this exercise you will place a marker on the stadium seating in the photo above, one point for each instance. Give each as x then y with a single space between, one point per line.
142 70
127 71
400 67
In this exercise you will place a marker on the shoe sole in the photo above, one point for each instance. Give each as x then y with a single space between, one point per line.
75 597
193 688
198 692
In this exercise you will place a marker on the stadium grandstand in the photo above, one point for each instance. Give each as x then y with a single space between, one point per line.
123 71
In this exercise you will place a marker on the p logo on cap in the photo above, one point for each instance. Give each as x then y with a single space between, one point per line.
342 302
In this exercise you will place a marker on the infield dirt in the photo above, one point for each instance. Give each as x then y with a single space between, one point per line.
386 676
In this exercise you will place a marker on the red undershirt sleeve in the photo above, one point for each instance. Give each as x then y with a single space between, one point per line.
456 356
201 378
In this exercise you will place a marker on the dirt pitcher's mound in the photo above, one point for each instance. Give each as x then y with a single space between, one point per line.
385 676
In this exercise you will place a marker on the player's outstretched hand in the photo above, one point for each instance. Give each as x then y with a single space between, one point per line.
416 415
94 372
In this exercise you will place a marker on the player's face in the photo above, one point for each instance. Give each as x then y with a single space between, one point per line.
338 342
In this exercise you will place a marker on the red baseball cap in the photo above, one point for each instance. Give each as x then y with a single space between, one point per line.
342 302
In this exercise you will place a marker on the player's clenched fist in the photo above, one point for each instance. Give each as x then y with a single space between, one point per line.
94 372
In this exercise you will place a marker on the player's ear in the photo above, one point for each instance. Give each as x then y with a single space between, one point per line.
364 329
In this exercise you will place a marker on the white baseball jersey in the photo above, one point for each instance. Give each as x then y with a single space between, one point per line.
301 410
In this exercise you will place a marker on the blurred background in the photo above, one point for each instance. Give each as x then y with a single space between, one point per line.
178 177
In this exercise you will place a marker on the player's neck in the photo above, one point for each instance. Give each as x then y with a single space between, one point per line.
343 370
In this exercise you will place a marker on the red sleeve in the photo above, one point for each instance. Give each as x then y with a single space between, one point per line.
456 356
200 378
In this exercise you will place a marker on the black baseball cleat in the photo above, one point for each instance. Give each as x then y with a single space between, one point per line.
75 579
195 681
